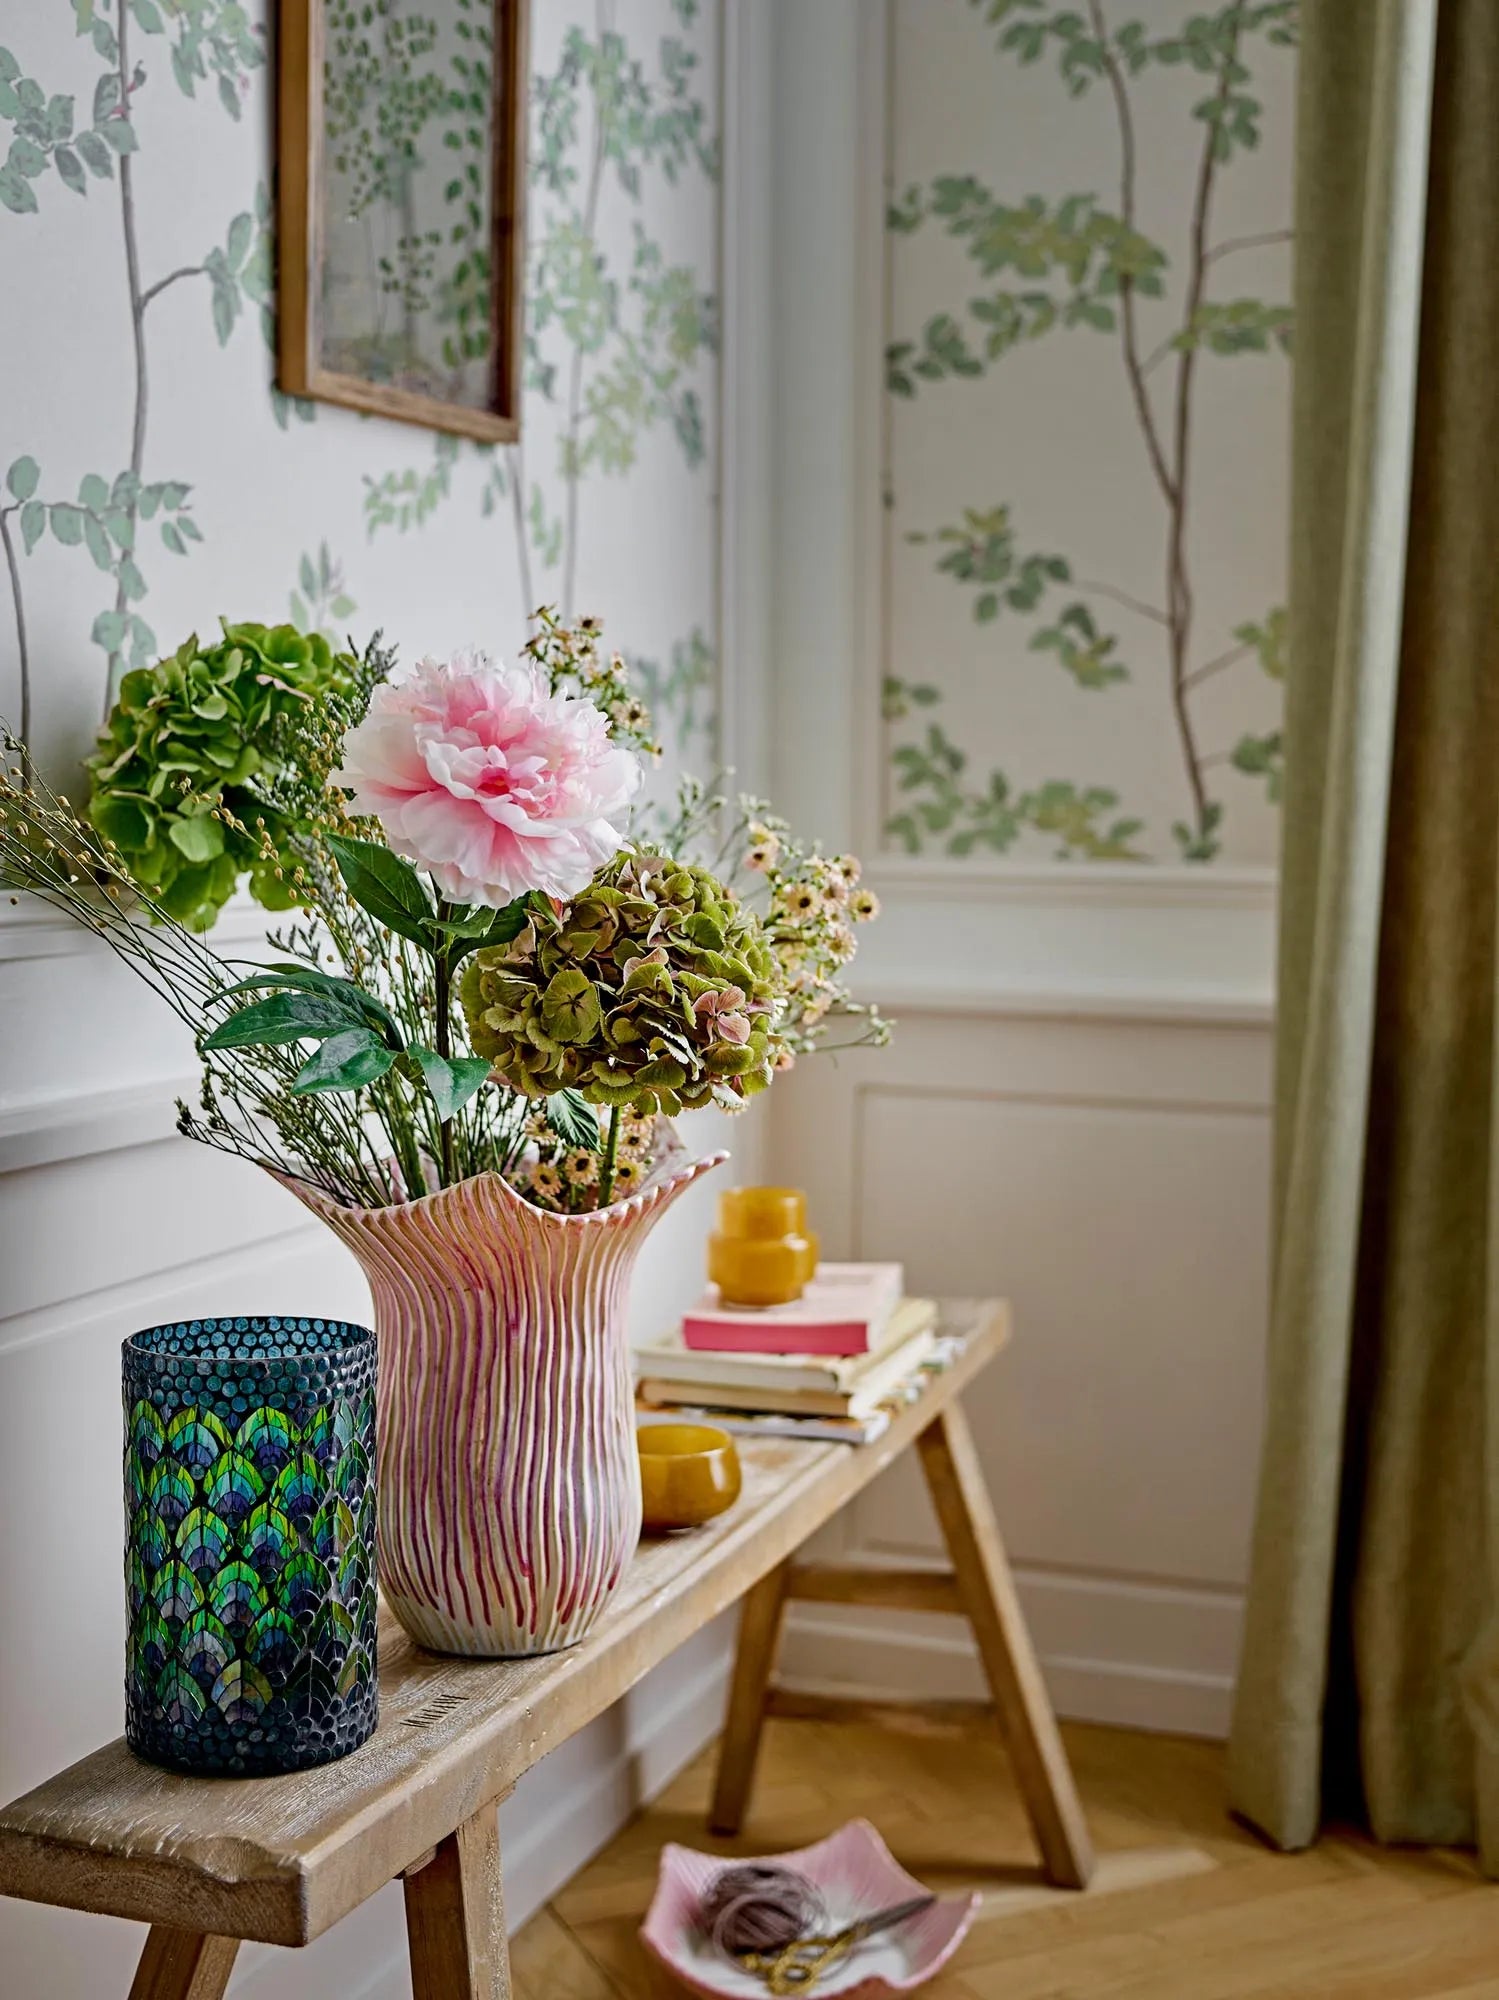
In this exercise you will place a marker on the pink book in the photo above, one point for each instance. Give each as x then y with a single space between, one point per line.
844 1310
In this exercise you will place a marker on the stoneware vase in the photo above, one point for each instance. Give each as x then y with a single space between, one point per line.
250 1543
509 1479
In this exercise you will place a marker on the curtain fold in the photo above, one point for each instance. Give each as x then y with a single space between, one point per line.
1370 1673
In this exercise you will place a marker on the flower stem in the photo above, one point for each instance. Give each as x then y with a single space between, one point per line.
442 1042
611 1155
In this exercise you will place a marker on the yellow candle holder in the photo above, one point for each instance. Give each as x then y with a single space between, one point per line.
688 1473
762 1253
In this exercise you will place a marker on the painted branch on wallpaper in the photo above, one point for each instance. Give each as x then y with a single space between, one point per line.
215 38
1082 267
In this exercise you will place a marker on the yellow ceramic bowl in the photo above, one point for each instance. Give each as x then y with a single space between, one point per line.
688 1473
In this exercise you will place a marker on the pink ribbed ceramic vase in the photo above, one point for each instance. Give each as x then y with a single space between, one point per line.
509 1484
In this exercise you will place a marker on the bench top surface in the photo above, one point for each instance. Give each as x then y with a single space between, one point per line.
282 1858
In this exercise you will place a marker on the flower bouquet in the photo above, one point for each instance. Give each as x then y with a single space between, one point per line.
501 978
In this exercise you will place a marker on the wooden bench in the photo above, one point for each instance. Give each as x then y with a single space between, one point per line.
207 1862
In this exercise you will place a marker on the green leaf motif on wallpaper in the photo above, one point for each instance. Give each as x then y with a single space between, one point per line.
1262 757
1075 261
1076 255
898 698
409 498
45 136
1267 641
936 804
209 39
321 601
1237 326
680 696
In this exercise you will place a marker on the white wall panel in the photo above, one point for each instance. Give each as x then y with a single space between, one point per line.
1110 1177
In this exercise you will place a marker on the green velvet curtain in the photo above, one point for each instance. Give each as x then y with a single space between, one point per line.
1369 1683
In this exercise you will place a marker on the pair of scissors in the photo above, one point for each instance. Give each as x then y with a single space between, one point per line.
797 1967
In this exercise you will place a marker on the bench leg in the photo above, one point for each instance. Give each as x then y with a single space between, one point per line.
183 1965
956 1481
455 1917
759 1635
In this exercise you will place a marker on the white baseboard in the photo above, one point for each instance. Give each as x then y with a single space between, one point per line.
545 1845
1137 1654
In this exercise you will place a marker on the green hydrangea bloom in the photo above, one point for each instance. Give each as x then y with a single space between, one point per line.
655 988
182 744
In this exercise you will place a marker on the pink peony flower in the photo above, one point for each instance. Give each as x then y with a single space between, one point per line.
494 784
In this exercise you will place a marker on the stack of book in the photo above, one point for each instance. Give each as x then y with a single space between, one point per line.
835 1364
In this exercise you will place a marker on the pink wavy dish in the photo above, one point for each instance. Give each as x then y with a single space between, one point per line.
856 1874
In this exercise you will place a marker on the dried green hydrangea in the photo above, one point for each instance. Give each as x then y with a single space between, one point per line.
173 781
654 989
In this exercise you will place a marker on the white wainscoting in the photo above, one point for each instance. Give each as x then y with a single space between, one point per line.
1108 1172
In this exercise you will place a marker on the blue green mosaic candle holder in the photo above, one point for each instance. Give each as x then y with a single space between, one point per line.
250 1544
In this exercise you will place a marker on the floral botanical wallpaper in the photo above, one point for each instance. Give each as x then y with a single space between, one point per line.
152 478
1088 233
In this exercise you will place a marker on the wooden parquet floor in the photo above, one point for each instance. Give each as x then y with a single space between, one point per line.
1188 1906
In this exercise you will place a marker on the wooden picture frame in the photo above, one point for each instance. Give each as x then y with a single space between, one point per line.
492 417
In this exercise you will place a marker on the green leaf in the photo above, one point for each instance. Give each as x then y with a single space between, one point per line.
286 1017
23 477
109 630
451 1080
479 928
241 235
344 1062
98 542
125 821
93 492
26 157
120 134
16 193
70 169
387 886
172 539
225 295
96 155
573 1119
199 839
229 97
33 524
67 524
145 12
290 972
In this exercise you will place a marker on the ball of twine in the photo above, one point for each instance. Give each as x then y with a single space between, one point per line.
751 1907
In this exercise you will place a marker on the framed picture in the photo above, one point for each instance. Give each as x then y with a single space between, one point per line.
401 169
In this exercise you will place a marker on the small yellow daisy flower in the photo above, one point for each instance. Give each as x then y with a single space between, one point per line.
635 1145
628 1174
863 905
547 1180
581 1166
849 868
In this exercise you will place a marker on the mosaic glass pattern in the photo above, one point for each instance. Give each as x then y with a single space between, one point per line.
250 1543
